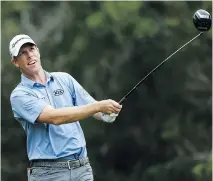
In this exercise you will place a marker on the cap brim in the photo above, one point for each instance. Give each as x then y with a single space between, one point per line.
19 45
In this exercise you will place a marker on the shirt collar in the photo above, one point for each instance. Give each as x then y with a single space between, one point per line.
31 83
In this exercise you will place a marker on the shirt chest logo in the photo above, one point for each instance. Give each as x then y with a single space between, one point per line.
58 92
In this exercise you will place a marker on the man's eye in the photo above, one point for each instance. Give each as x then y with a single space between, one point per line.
32 48
21 53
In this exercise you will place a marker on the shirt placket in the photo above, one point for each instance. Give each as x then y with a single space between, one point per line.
50 98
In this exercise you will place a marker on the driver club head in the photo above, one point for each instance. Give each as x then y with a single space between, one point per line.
202 20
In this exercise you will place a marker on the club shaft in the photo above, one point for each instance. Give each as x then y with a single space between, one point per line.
135 87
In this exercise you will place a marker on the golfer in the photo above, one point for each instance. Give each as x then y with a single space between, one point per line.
49 107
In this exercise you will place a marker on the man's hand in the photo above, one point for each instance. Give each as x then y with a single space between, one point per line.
108 110
109 106
109 118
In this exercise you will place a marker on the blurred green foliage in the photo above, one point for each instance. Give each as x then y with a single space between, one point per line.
164 130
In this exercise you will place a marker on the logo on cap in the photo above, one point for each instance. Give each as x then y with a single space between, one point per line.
13 45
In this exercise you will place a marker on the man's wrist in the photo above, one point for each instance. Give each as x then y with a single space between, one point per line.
97 106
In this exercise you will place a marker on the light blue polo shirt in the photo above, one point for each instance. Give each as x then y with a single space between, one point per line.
48 141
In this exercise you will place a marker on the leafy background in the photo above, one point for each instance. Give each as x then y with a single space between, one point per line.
163 132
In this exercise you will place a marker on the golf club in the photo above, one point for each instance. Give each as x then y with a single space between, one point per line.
202 21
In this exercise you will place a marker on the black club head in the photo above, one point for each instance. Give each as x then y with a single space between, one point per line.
202 20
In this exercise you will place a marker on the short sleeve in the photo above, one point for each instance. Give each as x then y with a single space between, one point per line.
82 97
26 106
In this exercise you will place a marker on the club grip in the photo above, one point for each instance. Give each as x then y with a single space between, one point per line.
122 100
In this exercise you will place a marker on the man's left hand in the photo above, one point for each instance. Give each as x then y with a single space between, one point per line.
109 118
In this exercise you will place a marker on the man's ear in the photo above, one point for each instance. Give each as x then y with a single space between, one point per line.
15 62
38 52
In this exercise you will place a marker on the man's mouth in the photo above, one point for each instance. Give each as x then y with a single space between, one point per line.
31 63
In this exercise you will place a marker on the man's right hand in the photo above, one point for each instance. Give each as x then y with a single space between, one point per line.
109 106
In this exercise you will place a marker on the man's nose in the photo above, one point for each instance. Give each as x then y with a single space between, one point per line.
29 53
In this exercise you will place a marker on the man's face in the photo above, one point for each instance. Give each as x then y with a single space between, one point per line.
28 59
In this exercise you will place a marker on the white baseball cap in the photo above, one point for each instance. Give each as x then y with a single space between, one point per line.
17 42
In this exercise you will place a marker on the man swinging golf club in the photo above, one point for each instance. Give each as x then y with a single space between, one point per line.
49 107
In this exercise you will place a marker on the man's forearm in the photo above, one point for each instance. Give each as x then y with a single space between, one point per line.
67 114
